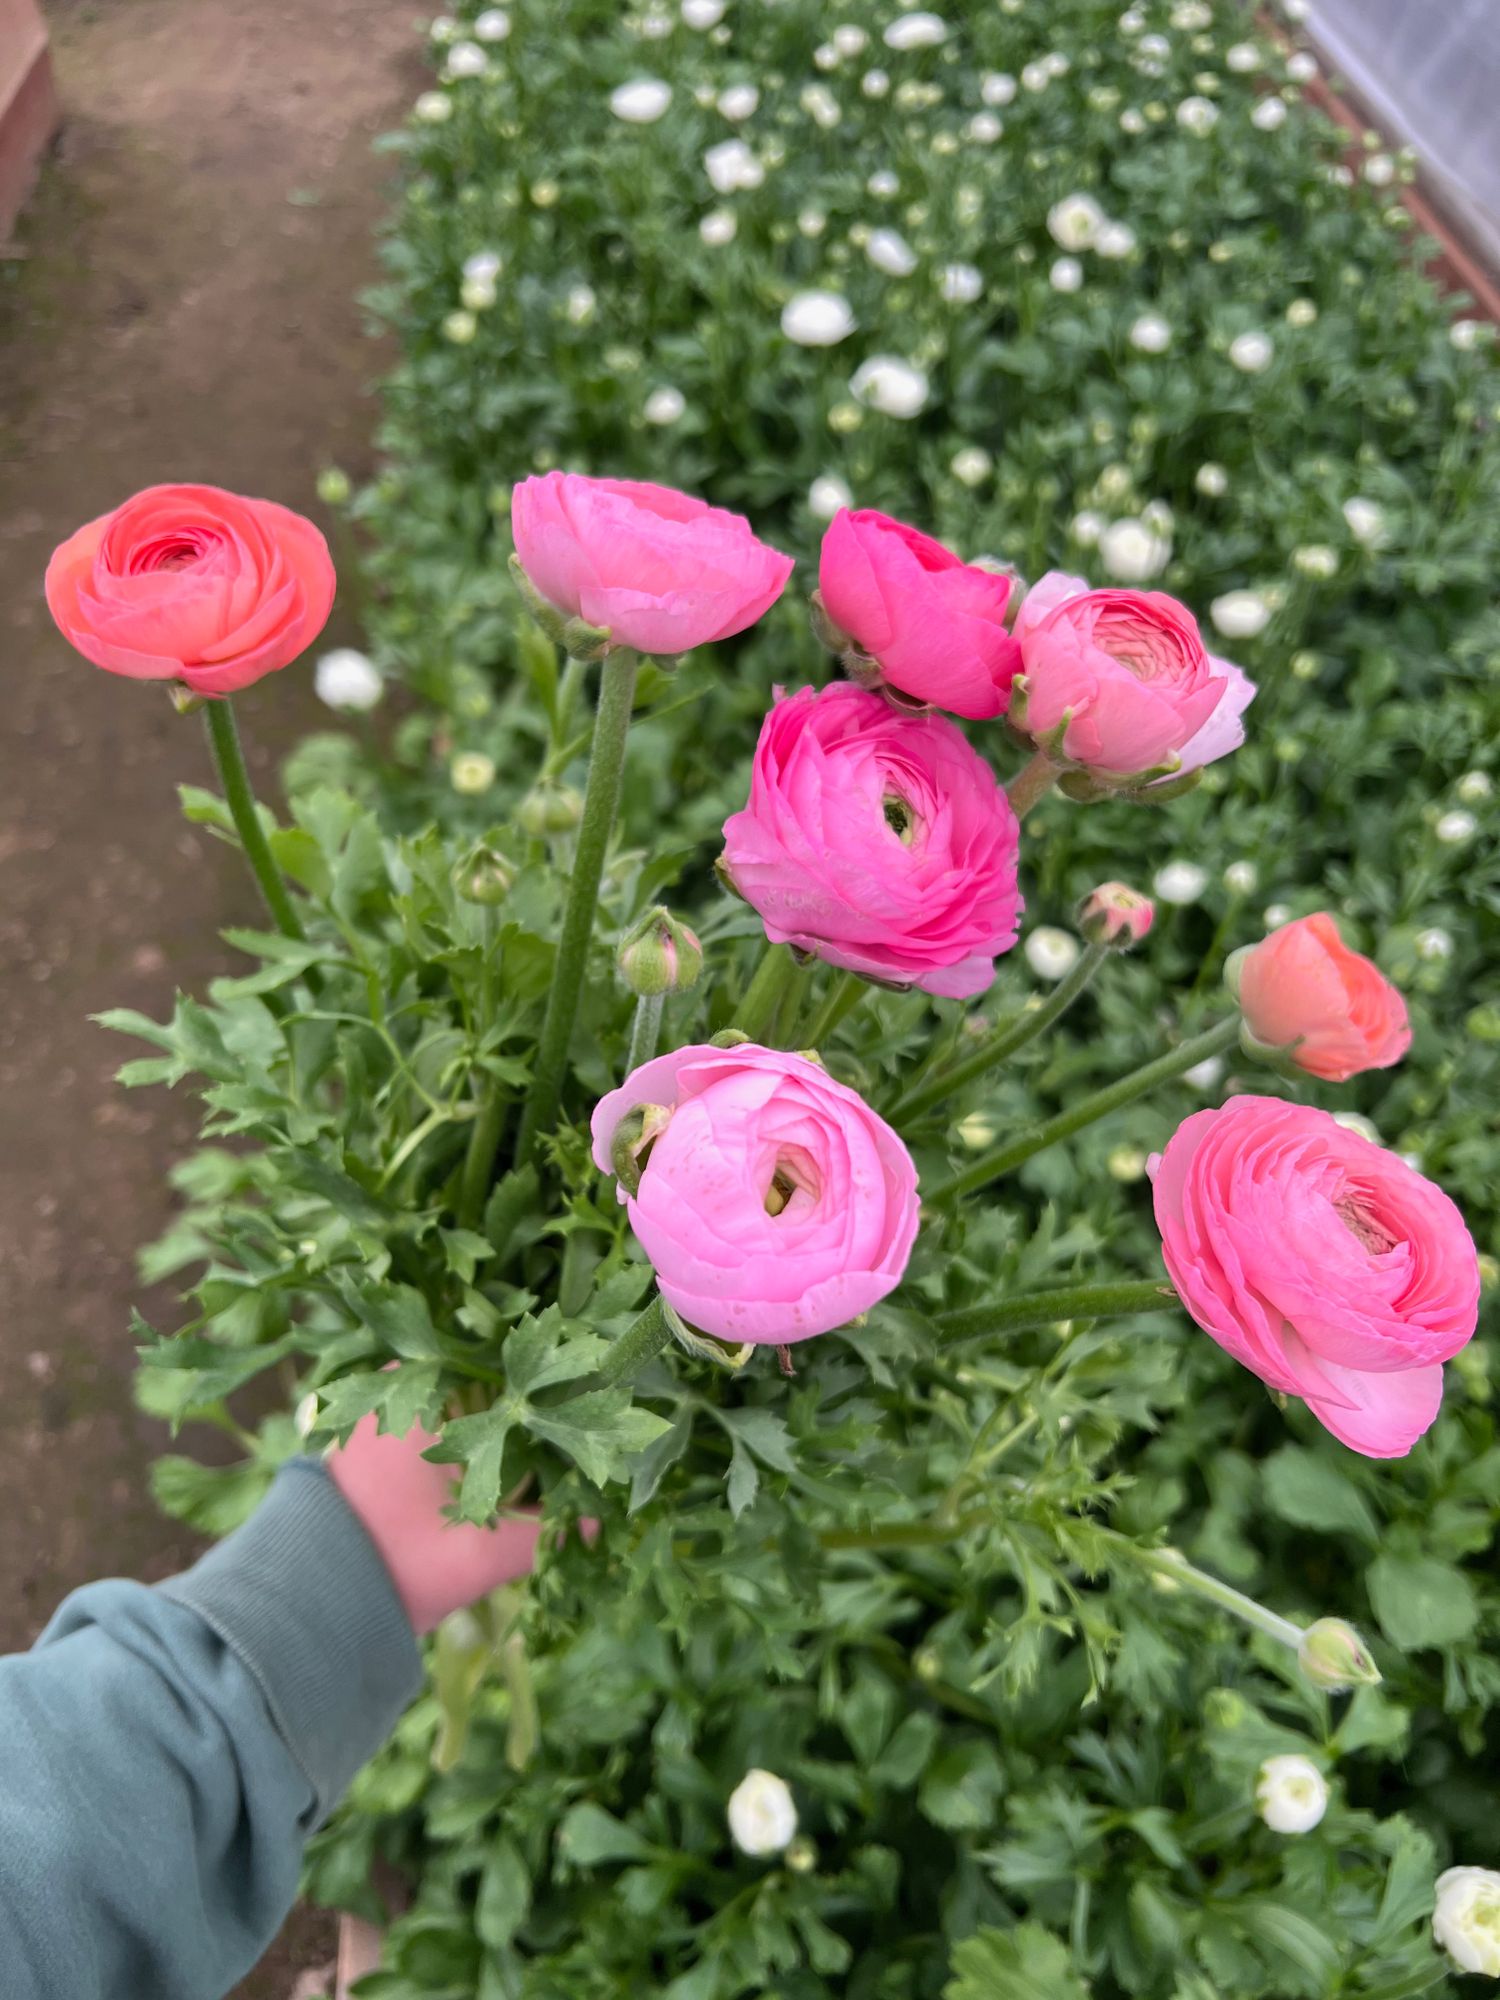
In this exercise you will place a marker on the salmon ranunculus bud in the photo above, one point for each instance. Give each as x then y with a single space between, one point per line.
1330 1268
877 841
1115 915
933 624
1120 684
193 584
772 1201
1304 992
653 569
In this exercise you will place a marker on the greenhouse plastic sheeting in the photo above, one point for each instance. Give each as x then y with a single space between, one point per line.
1429 71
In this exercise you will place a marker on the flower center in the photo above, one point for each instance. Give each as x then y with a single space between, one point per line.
792 1174
1372 1235
900 818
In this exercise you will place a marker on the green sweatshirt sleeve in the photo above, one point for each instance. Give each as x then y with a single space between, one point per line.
165 1752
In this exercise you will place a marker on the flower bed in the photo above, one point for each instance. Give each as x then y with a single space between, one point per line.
997 1649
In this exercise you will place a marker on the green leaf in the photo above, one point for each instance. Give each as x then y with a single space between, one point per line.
504 1895
589 1835
478 1444
1307 1489
602 1433
399 1318
962 1786
1408 1884
905 1756
545 1350
1421 1602
657 1459
212 1498
401 1397
1027 1963
742 1482
763 1433
1288 1934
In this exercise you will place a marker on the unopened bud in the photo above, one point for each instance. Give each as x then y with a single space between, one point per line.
1332 1655
333 486
183 699
484 875
550 807
634 1136
660 955
927 1664
828 635
802 1856
1115 916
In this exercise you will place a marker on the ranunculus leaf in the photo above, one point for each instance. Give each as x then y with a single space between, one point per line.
1303 1487
1027 1963
1420 1602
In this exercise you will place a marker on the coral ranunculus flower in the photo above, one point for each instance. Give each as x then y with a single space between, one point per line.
1303 990
193 584
660 571
878 841
773 1202
934 624
1330 1268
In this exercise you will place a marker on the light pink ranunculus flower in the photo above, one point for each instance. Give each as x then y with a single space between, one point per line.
192 584
660 571
1330 1268
1126 677
878 841
934 624
772 1201
1302 989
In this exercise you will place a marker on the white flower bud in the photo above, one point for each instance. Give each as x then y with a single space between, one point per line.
1454 828
996 88
664 405
827 494
739 102
892 386
1133 552
1466 1919
1197 115
1114 240
1475 786
1066 275
817 319
471 773
889 251
1252 353
718 227
916 31
1179 882
1269 115
1075 221
972 465
493 25
1151 334
467 59
641 101
346 680
731 165
1366 521
1291 1793
762 1814
1212 481
1240 614
960 284
702 14
1051 953
433 107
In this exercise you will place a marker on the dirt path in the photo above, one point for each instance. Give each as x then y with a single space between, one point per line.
187 310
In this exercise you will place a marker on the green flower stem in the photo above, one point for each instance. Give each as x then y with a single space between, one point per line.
489 1120
839 1002
644 1030
224 741
1063 1302
757 1012
1169 1564
1005 1159
569 688
1032 782
785 1033
640 1343
601 802
1025 1027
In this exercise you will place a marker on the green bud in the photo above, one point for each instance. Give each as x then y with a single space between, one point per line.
333 486
550 807
801 1856
484 875
1333 1656
634 1136
660 955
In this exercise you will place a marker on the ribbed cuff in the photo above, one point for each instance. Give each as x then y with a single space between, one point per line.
302 1597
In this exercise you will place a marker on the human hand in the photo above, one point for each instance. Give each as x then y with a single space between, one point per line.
437 1565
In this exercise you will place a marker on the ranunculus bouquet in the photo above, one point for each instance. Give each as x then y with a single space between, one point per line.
739 1251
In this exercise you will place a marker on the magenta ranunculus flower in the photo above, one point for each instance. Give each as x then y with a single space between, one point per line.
934 624
192 584
1324 1263
878 841
658 570
1126 679
772 1201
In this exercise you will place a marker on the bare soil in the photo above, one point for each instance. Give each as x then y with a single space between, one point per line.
184 308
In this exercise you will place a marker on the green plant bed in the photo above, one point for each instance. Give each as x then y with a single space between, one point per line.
923 1581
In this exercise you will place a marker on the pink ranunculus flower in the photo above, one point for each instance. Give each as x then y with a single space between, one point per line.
934 624
878 841
658 570
773 1202
1334 1011
192 584
1330 1268
1126 679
